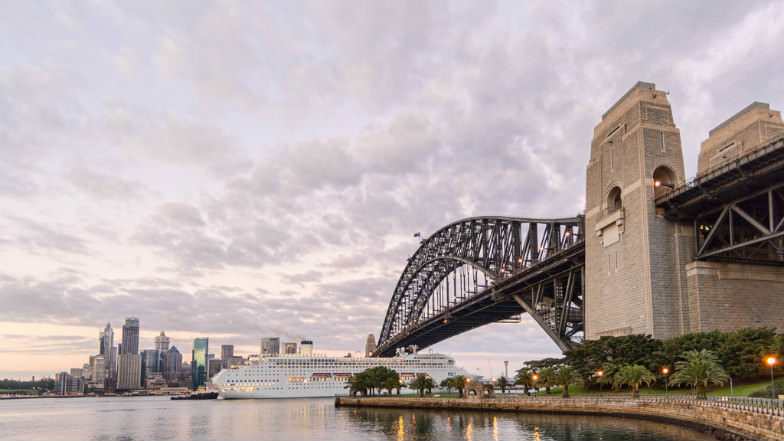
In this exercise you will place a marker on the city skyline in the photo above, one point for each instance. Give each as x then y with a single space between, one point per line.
240 173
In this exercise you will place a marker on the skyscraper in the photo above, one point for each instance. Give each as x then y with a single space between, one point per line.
130 336
129 362
227 351
199 362
109 352
172 363
162 342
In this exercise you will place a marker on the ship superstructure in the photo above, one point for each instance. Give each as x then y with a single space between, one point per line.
295 376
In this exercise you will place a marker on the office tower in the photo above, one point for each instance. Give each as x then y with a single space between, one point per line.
98 372
172 363
150 361
270 346
66 384
162 342
109 351
227 351
130 336
290 348
129 361
199 362
129 370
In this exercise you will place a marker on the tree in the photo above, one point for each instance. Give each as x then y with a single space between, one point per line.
448 384
459 383
420 383
633 375
503 383
565 376
523 378
698 369
357 384
547 379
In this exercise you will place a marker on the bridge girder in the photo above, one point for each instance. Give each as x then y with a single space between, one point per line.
480 252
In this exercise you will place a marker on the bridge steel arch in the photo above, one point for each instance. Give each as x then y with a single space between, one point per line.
496 249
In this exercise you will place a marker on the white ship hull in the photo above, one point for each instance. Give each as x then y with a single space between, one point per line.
322 376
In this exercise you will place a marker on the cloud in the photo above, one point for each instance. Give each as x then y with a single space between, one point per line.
245 170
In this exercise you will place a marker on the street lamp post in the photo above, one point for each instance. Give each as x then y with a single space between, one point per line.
772 361
600 374
666 371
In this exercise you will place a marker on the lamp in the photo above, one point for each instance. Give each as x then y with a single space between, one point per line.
658 184
772 361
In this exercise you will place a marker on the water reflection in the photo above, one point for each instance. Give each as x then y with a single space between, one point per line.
437 425
155 418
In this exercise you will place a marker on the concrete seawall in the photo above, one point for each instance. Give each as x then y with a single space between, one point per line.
742 423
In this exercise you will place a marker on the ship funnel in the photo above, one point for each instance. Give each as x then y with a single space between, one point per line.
306 347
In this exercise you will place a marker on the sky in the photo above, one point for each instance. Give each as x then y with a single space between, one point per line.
239 170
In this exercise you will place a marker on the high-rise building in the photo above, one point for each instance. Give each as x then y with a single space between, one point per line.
98 372
199 362
290 347
66 384
227 351
109 351
129 362
129 372
162 342
172 364
270 346
150 362
130 336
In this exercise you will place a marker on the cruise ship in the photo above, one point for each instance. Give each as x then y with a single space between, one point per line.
307 375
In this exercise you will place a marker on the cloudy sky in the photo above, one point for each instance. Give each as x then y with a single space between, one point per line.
247 169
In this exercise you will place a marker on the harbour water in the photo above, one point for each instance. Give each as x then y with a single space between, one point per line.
159 418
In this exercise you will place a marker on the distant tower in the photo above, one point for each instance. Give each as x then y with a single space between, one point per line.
162 342
199 362
370 345
290 348
635 259
129 362
109 352
227 352
130 336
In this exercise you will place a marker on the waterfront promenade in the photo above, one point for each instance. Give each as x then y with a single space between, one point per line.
740 418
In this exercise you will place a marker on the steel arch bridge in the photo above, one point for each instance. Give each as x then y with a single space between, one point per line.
488 269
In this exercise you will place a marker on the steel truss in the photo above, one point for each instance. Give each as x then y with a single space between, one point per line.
474 257
749 229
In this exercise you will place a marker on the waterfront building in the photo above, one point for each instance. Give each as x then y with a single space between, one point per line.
227 351
97 372
150 363
67 384
199 362
172 364
290 348
270 346
129 369
129 372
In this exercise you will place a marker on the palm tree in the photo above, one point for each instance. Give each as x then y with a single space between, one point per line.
420 383
459 383
547 379
634 376
698 369
523 378
565 376
448 384
503 383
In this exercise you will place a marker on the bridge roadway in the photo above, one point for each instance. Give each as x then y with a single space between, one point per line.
503 299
